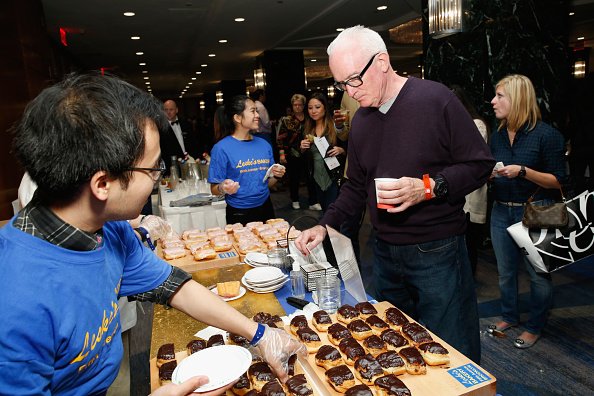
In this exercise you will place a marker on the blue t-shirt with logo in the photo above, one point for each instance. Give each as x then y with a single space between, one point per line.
60 332
246 162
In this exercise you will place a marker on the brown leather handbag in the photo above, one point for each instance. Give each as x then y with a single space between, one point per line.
545 216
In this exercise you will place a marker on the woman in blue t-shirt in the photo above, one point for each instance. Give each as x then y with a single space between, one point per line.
239 164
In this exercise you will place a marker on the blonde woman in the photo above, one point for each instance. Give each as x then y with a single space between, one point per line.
319 124
532 154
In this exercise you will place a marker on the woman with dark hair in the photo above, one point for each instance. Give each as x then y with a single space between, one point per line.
476 202
319 126
532 153
239 163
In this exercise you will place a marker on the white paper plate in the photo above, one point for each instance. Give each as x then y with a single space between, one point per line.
257 258
222 365
241 293
262 290
263 274
254 264
273 282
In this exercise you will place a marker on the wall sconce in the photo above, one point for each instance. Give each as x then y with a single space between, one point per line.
579 69
202 105
330 91
445 17
219 97
259 78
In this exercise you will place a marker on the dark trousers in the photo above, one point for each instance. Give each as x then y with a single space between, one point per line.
474 238
296 170
247 215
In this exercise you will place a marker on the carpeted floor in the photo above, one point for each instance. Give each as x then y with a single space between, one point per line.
560 363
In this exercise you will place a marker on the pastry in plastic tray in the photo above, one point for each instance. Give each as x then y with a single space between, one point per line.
174 253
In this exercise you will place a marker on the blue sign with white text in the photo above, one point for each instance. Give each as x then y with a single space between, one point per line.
469 375
227 254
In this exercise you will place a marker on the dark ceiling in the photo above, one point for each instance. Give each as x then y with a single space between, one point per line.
177 36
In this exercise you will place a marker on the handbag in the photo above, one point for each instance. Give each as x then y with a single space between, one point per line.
545 216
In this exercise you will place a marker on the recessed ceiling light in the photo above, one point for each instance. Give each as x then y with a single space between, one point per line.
193 78
198 72
135 38
180 96
145 71
142 64
313 60
222 41
381 8
404 72
190 83
140 53
211 55
239 19
204 65
148 83
129 13
339 29
187 86
146 78
571 13
580 38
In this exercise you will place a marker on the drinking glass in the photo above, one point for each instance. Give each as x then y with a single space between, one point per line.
328 293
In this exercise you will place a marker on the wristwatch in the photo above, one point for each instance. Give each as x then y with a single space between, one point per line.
441 187
522 172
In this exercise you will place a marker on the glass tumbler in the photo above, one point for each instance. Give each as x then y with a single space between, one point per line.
328 293
277 257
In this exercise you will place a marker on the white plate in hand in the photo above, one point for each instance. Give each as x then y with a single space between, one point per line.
263 274
222 365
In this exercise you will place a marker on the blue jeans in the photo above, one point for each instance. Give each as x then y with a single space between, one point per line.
509 257
432 282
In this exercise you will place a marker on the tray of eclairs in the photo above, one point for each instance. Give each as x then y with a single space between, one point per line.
376 350
256 377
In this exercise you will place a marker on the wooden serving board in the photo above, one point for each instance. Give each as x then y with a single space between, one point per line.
440 380
187 263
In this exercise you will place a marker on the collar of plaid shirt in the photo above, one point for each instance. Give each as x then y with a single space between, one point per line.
38 220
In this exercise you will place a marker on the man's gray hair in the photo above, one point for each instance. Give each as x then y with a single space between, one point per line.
365 40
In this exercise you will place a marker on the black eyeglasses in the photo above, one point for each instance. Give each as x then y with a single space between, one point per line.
355 81
154 173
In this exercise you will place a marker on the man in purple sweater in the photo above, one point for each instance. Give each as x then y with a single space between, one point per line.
417 131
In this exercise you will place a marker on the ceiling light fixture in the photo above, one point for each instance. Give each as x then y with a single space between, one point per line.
148 83
135 38
198 72
223 41
313 60
580 38
190 83
145 71
129 14
339 29
239 19
445 18
142 64
204 65
193 78
571 13
140 53
381 8
211 55
146 78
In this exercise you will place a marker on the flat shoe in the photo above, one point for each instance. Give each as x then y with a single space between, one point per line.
494 328
523 344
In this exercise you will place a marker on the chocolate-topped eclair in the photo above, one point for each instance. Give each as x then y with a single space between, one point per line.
391 362
434 353
351 349
166 371
393 339
374 345
365 309
262 317
340 377
415 333
395 318
252 392
195 346
259 374
359 329
390 385
347 313
310 338
242 386
215 340
298 386
328 356
367 369
337 332
377 325
298 322
321 320
273 388
238 340
413 360
291 364
166 353
359 390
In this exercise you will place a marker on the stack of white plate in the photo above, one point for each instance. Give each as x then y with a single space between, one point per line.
264 279
255 259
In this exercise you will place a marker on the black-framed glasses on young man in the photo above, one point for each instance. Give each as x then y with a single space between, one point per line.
154 173
355 81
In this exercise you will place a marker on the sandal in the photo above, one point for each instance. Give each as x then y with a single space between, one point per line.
523 344
492 328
